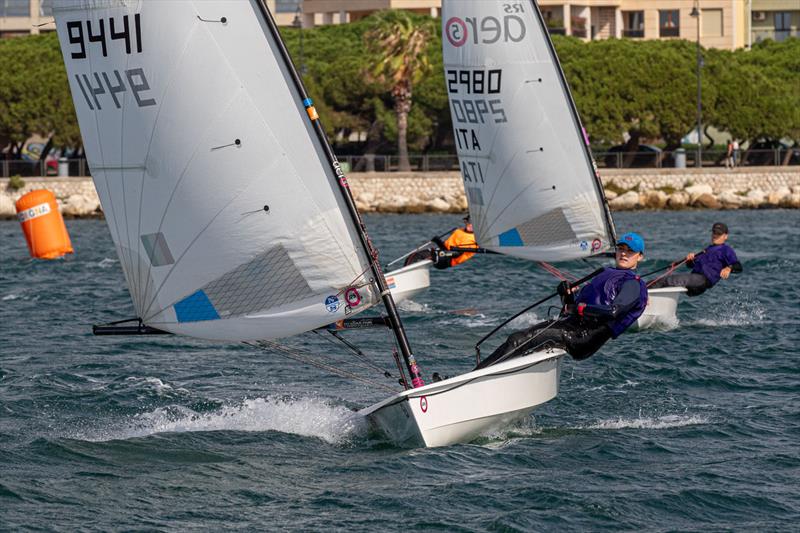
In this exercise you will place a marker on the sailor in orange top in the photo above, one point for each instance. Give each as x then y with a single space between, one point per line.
460 238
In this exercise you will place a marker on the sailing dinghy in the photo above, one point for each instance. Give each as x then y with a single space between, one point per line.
231 216
533 192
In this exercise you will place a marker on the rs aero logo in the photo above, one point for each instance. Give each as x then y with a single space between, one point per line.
488 30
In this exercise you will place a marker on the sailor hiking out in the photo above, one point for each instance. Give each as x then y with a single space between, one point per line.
449 254
590 316
716 262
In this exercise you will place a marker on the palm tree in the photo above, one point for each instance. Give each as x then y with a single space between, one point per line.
399 40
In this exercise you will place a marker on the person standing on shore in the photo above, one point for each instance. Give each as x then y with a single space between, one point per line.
716 262
729 155
735 153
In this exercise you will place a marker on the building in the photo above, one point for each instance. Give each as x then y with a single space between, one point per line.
723 23
728 24
774 19
25 17
316 12
30 17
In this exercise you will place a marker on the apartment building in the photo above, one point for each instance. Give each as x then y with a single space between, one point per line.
26 17
722 23
726 24
317 12
775 19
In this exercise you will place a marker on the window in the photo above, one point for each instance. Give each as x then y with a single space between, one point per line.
711 20
634 23
46 8
15 8
669 23
287 6
783 25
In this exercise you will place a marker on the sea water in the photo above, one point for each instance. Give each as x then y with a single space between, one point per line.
695 427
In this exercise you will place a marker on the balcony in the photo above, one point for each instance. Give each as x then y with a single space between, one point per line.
775 35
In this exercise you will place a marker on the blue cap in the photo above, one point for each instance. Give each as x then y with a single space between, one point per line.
633 241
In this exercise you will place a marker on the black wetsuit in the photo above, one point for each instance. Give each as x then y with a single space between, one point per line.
603 309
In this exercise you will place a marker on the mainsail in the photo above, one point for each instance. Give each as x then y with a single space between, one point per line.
530 179
219 199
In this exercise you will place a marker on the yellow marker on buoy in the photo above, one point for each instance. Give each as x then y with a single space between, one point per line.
43 225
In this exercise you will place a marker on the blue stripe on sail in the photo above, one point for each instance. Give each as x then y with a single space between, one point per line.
511 238
195 307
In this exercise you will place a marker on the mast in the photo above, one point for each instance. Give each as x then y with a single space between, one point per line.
344 188
587 151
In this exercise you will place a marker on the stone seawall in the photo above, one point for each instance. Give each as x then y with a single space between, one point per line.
418 192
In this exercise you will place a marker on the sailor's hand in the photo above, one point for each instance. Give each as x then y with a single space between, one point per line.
725 272
690 257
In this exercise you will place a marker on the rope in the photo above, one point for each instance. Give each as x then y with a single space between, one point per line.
671 269
304 358
361 358
563 276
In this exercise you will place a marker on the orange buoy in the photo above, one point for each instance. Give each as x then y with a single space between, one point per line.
43 225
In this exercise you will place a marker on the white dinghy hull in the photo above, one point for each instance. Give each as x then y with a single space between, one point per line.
459 409
661 310
407 282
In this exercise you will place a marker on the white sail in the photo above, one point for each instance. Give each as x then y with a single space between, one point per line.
215 187
530 180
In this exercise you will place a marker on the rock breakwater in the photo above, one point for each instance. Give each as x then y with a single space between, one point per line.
443 192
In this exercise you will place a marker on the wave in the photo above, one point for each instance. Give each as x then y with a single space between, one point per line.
310 417
746 314
158 386
413 307
660 422
107 262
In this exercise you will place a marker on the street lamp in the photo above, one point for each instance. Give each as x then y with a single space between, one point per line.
696 14
298 23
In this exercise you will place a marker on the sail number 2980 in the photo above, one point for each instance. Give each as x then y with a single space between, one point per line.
477 81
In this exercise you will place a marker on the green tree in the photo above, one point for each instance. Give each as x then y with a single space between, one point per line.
34 93
399 41
646 89
758 91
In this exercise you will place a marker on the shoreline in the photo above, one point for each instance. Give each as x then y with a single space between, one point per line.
443 192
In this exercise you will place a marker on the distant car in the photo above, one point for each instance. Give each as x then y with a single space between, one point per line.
647 155
762 152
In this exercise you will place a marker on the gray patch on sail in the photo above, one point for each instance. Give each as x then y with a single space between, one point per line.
550 228
155 244
270 280
475 196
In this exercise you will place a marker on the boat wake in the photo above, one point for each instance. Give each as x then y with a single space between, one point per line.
659 422
413 307
748 314
309 417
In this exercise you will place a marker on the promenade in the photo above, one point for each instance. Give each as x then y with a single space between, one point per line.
443 192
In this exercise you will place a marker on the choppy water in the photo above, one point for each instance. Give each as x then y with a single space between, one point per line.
695 428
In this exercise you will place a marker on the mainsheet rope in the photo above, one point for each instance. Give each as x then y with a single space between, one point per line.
301 357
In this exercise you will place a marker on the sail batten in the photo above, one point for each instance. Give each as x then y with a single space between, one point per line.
217 193
529 178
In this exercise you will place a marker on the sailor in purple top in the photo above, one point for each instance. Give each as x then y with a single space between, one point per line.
716 262
600 310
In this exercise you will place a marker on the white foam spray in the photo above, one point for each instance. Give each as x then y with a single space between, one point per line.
310 417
